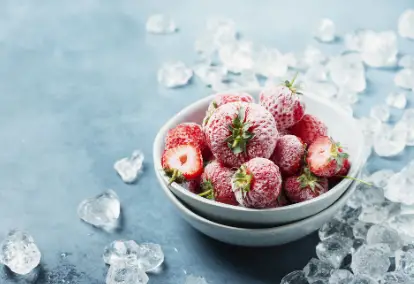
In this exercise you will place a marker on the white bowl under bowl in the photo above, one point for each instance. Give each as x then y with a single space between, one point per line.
257 237
342 127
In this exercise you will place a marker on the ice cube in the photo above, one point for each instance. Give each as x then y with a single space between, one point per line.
205 47
345 97
323 89
381 112
397 100
210 74
370 195
174 74
379 49
380 178
101 211
390 141
317 270
406 209
348 215
237 56
363 279
317 72
19 252
404 224
347 72
405 78
341 276
269 62
222 30
406 61
325 31
404 262
333 250
382 234
406 24
150 256
335 227
311 56
406 127
191 279
122 273
295 277
377 213
124 251
129 168
354 41
360 230
400 185
370 260
160 24
370 127
395 277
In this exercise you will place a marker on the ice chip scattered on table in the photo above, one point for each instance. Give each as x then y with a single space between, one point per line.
222 30
390 141
174 74
237 56
335 227
406 24
380 178
380 49
317 72
404 224
19 252
363 279
397 99
122 273
400 186
347 72
210 75
121 251
129 168
160 24
191 279
404 262
333 250
380 234
341 276
405 78
101 211
325 30
377 213
370 260
406 61
395 277
317 269
269 62
348 215
360 230
380 112
150 256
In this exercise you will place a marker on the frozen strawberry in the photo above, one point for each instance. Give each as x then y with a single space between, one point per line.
282 199
182 163
216 183
257 183
186 133
309 129
288 154
238 132
222 99
325 157
303 187
345 167
284 103
193 185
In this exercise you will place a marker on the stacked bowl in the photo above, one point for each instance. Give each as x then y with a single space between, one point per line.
265 227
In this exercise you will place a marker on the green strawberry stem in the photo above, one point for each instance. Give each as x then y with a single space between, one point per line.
208 189
242 179
291 85
175 176
240 134
355 179
307 179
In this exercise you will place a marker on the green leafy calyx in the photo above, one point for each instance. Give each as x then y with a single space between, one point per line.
174 175
240 134
337 154
242 179
207 190
307 179
295 89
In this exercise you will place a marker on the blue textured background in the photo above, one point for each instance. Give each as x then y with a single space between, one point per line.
78 91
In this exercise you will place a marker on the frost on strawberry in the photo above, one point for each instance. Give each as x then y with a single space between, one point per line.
216 183
309 128
326 157
288 154
186 133
222 99
303 187
257 184
182 163
238 132
284 103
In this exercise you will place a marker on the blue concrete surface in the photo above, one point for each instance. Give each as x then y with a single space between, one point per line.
78 91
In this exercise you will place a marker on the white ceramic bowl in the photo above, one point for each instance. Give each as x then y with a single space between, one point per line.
257 237
342 127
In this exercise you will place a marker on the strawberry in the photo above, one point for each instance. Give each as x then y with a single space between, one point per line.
309 129
288 154
193 185
222 99
325 157
284 104
303 187
282 199
257 183
345 167
182 163
186 133
238 132
216 183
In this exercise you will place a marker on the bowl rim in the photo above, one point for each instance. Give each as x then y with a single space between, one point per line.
330 210
357 160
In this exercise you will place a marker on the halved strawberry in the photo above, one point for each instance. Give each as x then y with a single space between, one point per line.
182 163
325 157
